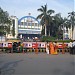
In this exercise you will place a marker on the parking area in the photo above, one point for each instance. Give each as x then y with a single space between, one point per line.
37 64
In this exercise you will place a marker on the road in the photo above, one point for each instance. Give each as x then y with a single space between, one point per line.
36 64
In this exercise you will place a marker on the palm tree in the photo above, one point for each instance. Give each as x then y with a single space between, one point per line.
44 16
72 20
58 20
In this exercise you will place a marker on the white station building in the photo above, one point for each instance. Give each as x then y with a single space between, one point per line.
28 26
25 27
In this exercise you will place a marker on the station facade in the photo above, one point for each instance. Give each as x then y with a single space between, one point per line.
27 27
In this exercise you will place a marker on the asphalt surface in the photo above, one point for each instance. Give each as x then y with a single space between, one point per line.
37 64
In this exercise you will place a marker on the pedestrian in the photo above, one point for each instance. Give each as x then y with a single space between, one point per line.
36 49
51 50
47 48
18 49
73 44
55 48
63 48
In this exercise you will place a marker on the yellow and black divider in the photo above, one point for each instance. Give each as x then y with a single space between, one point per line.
29 50
42 50
33 49
60 50
67 50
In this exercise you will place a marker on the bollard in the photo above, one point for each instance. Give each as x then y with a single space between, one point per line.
40 50
43 50
27 50
36 51
30 50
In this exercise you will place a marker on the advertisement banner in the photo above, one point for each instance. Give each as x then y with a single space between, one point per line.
9 45
27 44
1 45
39 45
34 44
43 45
5 44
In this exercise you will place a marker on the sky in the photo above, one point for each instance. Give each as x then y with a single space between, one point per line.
21 8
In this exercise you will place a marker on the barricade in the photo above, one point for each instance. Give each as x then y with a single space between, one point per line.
32 46
41 46
29 47
63 46
60 50
6 46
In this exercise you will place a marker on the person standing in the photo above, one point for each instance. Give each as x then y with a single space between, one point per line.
63 48
51 50
55 48
47 48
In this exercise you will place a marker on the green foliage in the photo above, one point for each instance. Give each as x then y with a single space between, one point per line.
47 38
4 22
53 39
53 25
45 16
65 41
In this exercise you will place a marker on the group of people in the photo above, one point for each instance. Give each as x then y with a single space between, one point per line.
51 48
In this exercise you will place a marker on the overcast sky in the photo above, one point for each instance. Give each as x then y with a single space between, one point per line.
21 8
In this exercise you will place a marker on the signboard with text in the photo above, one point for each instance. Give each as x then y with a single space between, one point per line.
34 44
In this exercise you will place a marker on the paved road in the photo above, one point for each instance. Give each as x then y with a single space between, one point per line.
37 64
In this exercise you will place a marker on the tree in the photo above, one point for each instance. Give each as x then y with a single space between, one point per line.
72 20
44 16
56 30
4 22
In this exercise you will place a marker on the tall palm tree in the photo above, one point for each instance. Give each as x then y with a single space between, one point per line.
44 16
72 20
58 20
